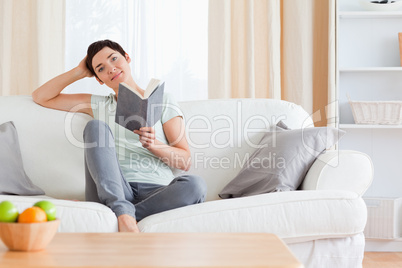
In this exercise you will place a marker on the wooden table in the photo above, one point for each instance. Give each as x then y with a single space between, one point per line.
156 250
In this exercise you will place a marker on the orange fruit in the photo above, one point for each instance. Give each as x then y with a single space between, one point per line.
32 214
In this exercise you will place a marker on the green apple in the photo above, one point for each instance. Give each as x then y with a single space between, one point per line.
8 212
48 207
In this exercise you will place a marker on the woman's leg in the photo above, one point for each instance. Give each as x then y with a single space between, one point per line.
104 181
182 191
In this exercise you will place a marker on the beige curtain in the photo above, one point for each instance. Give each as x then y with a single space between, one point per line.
281 49
32 44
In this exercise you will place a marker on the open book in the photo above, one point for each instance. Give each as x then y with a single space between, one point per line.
135 111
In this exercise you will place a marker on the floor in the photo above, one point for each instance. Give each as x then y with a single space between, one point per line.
382 260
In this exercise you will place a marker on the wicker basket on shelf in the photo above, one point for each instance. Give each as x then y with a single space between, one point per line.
377 112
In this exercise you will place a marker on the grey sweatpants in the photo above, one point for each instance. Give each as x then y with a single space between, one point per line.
105 183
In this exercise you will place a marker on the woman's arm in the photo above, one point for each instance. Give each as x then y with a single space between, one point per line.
48 95
177 153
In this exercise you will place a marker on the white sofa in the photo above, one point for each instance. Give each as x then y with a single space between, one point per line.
322 223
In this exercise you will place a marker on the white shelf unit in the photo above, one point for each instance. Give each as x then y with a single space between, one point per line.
368 59
362 126
369 14
369 69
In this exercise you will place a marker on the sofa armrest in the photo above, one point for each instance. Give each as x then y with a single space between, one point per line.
340 170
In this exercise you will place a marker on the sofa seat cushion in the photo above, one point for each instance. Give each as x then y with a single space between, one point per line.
295 216
75 216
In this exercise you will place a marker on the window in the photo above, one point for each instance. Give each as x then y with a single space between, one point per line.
165 40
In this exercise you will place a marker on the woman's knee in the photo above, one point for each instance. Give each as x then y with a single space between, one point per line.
96 130
197 186
94 126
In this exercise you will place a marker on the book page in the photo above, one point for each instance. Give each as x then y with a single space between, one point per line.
152 85
132 89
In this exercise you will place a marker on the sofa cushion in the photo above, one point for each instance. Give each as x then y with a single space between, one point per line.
281 161
75 216
294 216
13 179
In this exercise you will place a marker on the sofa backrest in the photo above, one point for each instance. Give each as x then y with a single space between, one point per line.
50 149
50 159
221 133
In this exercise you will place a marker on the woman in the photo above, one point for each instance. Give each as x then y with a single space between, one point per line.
130 172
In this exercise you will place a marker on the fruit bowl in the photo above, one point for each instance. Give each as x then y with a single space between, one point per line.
379 5
28 236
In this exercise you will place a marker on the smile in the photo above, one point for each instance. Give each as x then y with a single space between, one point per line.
117 75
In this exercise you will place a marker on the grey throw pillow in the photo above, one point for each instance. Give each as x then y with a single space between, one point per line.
282 160
13 179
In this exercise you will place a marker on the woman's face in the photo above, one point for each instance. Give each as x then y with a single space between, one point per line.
111 67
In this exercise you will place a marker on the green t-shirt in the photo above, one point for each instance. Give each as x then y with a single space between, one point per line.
137 163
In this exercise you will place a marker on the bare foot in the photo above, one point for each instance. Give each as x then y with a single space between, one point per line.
127 224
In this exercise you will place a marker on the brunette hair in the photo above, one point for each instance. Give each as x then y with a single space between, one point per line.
98 46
